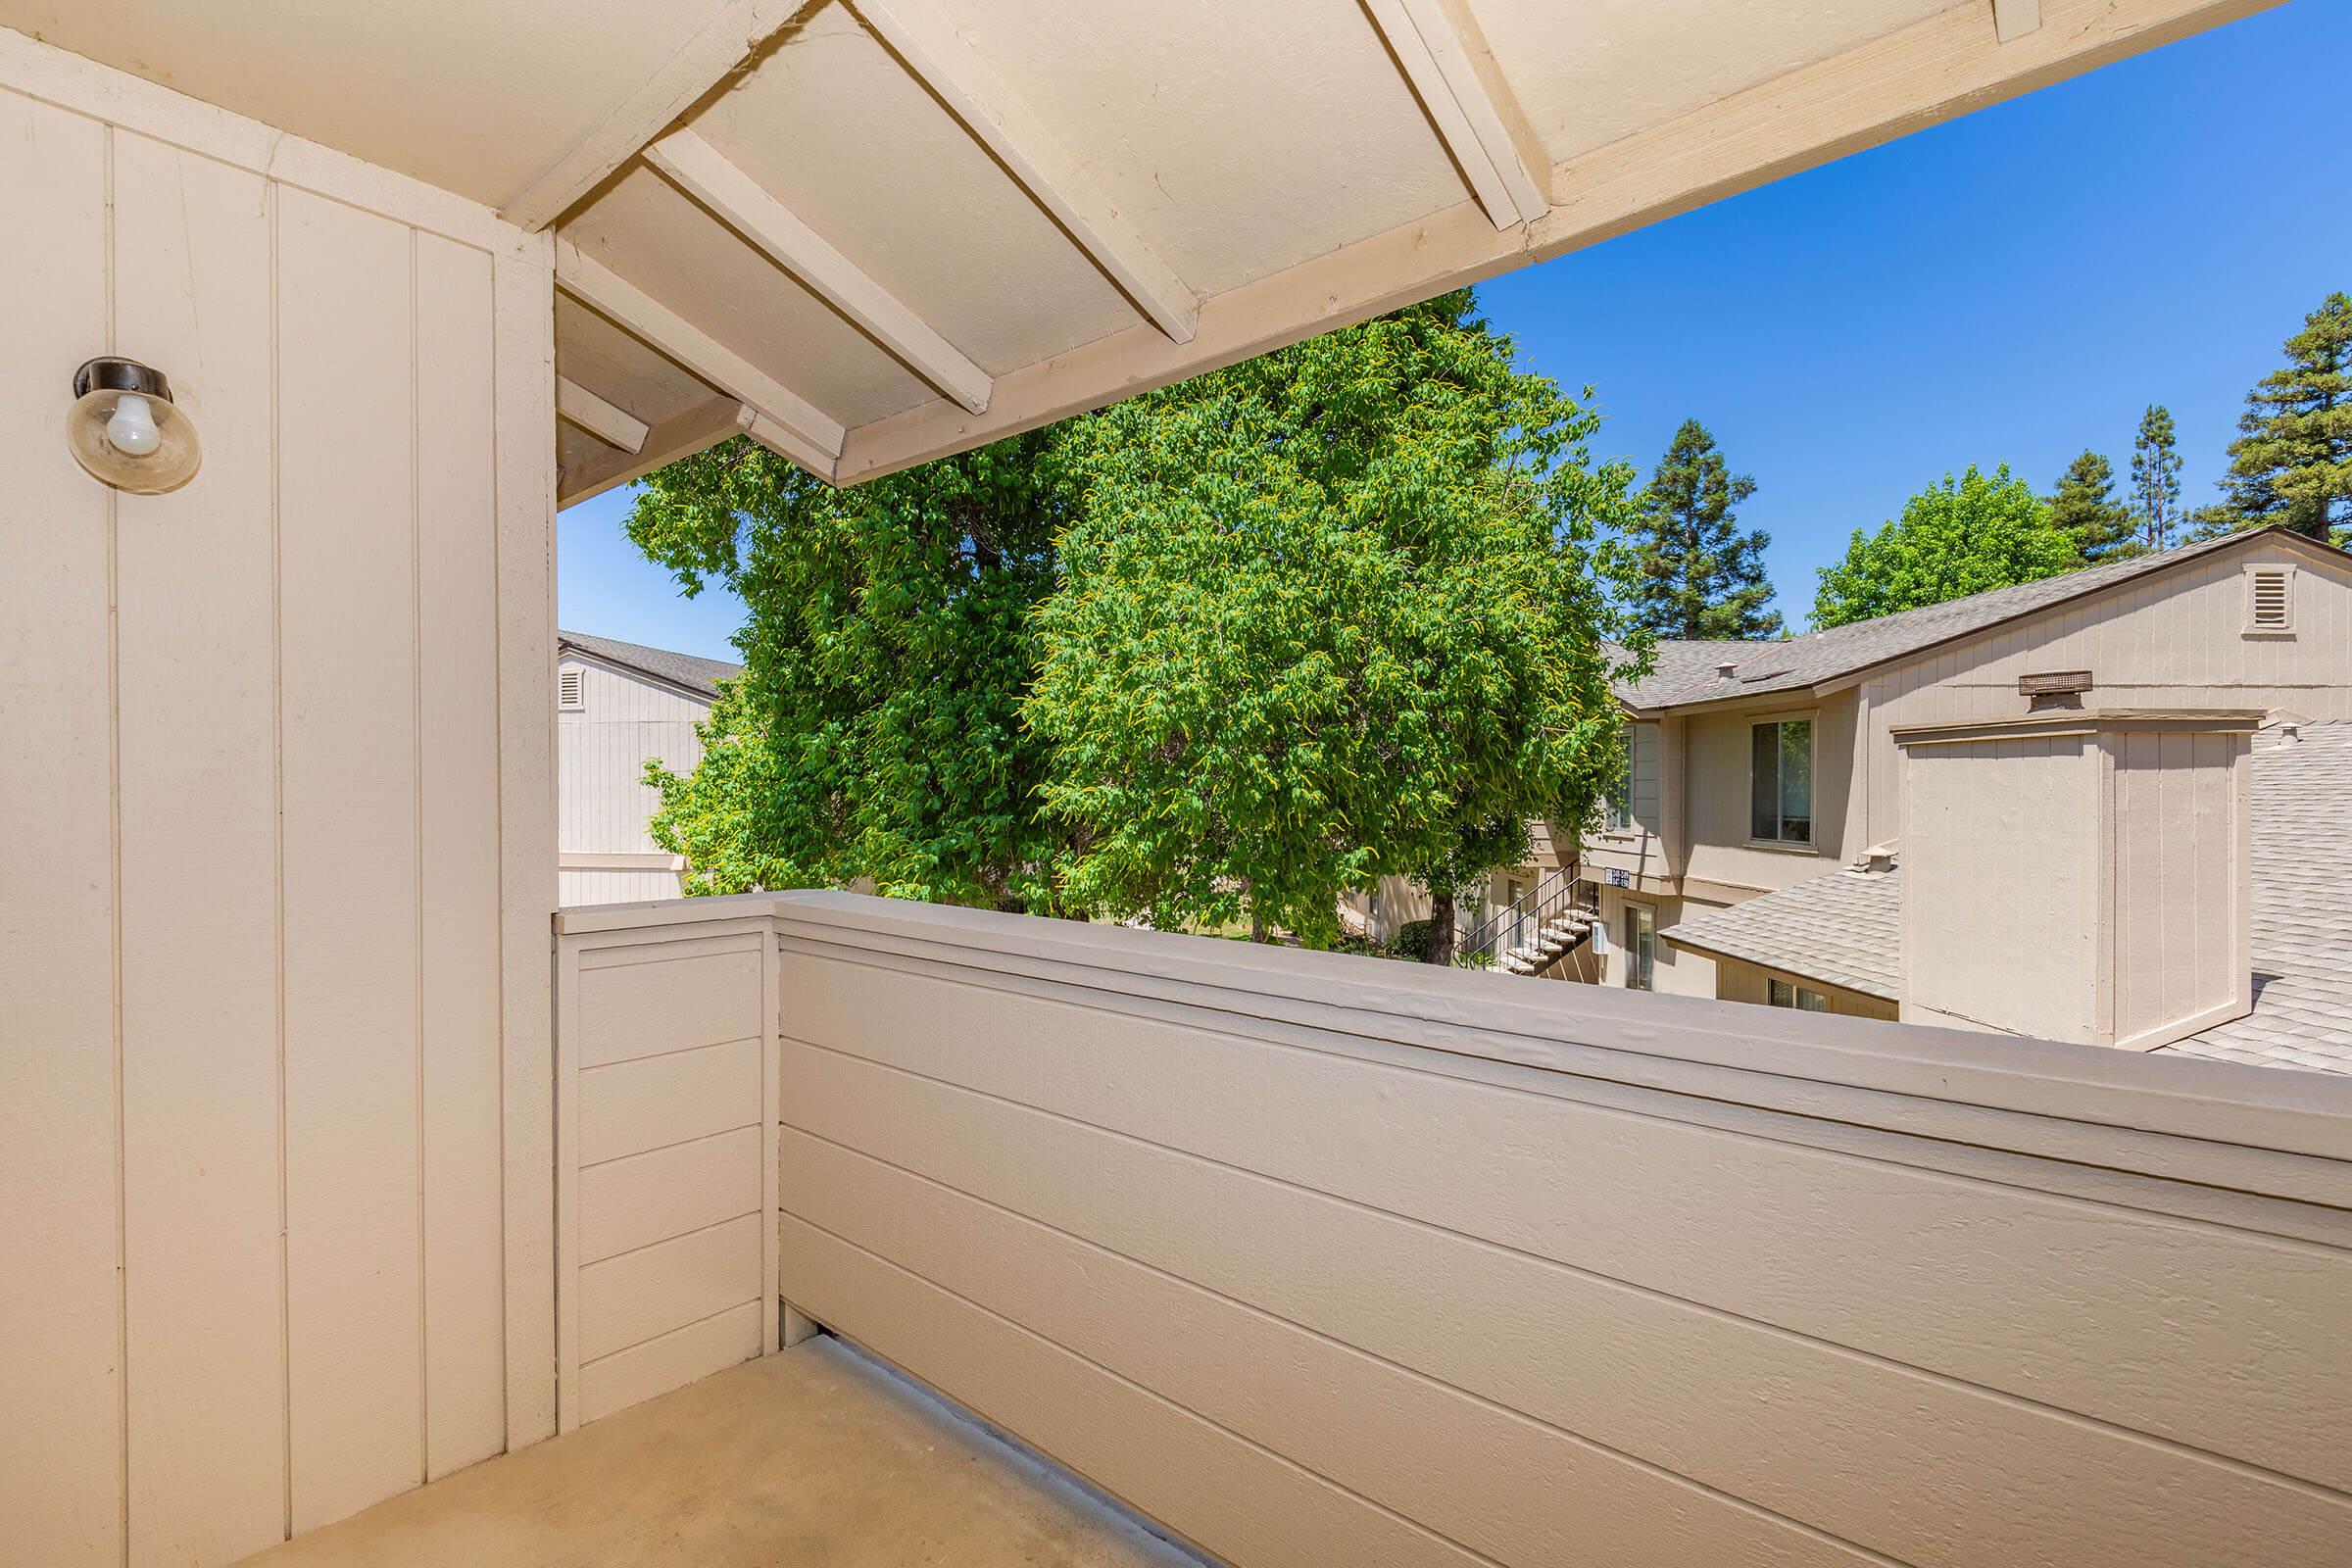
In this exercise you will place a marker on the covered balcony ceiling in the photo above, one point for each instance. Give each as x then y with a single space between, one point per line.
878 232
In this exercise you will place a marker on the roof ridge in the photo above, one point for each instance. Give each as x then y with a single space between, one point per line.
1831 651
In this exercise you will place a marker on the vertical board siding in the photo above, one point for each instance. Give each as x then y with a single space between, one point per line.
349 570
199 819
523 343
61 1448
1488 1320
278 883
602 747
464 1350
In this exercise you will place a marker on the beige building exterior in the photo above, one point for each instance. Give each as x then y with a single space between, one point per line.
1713 725
618 707
339 1162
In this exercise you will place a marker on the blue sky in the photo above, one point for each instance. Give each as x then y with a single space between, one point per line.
2010 287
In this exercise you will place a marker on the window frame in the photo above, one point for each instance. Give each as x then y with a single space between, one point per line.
1775 987
1617 808
1810 844
1640 959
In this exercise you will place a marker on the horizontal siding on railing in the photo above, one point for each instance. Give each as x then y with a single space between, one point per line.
1309 1295
665 1154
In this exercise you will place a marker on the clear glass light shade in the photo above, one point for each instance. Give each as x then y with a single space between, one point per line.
134 442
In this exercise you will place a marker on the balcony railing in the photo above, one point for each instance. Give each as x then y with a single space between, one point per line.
1317 1259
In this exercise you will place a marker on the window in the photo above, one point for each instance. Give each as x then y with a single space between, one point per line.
2271 600
1640 946
568 690
1782 994
1617 815
1781 781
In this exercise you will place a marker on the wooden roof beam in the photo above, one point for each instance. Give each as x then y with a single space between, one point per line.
799 429
723 44
741 201
945 61
614 428
706 424
2013 19
1444 56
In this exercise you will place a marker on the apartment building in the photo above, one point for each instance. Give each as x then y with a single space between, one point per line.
1758 769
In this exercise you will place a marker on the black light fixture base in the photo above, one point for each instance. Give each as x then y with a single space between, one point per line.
111 374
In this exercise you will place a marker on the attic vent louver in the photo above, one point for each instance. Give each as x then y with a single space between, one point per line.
2270 599
568 690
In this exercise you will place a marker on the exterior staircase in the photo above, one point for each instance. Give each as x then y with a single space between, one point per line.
1558 936
1532 935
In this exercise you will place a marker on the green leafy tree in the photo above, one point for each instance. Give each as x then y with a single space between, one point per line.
2156 479
1696 573
1960 537
2084 508
1334 613
2292 463
875 731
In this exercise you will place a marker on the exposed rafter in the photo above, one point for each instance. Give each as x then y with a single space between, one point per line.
705 424
1445 57
1945 64
722 45
2013 19
705 174
945 62
802 431
613 426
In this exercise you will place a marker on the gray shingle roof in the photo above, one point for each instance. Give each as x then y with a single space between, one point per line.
1686 671
679 669
2302 1013
1845 928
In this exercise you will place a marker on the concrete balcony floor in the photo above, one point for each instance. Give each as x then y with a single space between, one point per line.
811 1458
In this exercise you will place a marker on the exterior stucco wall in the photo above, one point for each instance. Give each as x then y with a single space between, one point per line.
277 785
1717 773
1674 972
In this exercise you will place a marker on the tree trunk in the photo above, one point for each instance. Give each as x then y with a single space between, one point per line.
1438 949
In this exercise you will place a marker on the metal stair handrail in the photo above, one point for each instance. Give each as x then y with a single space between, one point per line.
1551 896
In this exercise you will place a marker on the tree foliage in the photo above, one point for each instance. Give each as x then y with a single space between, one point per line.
2084 507
1330 614
1220 651
1695 574
1960 537
2156 479
2292 463
875 732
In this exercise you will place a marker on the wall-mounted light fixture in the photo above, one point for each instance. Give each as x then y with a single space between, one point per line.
125 430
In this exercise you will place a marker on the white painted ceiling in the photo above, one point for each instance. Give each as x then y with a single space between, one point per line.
1278 168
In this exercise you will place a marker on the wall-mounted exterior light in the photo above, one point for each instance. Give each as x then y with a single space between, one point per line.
126 431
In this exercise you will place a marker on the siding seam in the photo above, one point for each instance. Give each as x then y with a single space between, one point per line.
1607 1280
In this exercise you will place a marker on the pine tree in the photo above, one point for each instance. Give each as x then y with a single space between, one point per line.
2085 506
2156 479
2292 460
1697 575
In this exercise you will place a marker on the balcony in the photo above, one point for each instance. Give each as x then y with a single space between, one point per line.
1314 1259
817 1453
354 1202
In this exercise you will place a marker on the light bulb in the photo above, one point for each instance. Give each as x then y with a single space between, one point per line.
133 428
124 428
